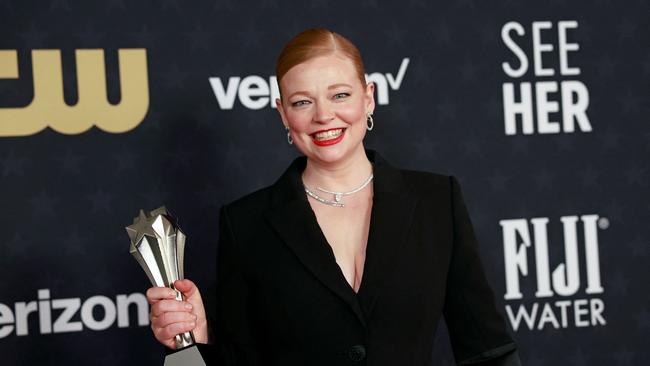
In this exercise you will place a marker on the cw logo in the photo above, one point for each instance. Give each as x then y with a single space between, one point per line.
48 108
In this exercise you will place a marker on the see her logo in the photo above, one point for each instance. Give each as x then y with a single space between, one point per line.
544 115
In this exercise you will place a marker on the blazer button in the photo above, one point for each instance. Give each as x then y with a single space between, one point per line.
357 352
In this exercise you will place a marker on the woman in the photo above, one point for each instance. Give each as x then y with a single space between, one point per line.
345 259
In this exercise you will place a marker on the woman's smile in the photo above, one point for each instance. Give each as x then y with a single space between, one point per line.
328 137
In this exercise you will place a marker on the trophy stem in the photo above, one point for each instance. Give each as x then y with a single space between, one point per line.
186 339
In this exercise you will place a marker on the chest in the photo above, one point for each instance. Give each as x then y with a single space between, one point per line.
346 231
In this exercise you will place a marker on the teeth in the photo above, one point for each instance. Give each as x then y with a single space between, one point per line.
328 135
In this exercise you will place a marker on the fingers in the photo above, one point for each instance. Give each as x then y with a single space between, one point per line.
155 294
166 334
169 318
162 306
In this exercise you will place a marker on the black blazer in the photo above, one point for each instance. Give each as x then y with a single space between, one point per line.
282 299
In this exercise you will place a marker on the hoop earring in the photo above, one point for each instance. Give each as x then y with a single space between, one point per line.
289 139
369 122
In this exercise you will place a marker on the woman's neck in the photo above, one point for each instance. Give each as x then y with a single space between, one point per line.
343 176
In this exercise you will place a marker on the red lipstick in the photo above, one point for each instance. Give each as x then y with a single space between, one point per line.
330 141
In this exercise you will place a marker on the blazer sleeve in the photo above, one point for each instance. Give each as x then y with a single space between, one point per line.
477 330
230 322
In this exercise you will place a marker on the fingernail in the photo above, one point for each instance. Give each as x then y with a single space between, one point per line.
188 306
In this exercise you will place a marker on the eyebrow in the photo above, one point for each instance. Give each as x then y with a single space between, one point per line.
333 86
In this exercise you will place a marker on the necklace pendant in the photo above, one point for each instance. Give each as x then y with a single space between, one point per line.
337 197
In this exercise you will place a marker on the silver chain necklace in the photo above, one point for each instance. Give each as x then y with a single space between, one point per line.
337 195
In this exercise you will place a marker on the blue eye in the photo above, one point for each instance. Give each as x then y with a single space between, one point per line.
341 95
299 103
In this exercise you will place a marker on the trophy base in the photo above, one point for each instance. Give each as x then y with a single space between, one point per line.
195 355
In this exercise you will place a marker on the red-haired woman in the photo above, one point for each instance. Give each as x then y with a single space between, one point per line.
345 259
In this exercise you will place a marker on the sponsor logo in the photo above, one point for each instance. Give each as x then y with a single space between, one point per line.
72 315
48 108
561 298
257 92
543 115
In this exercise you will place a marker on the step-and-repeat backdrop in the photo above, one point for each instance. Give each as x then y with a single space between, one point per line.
540 108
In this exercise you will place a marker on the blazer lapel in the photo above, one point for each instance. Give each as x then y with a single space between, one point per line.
391 217
392 212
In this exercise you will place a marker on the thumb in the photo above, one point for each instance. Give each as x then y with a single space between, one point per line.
188 288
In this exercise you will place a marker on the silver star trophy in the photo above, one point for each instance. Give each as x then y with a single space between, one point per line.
158 244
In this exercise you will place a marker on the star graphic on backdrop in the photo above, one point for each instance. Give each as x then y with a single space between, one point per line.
520 146
426 146
493 107
472 148
175 77
468 70
171 4
638 246
319 4
33 38
422 72
441 33
630 102
626 29
617 283
417 4
637 176
589 177
369 4
489 34
60 4
43 204
90 37
578 357
69 162
119 4
543 179
446 109
199 38
643 319
610 138
125 159
624 357
250 36
564 142
100 201
13 165
144 37
395 35
179 157
75 243
210 195
234 155
605 66
222 4
155 196
20 246
498 181
268 4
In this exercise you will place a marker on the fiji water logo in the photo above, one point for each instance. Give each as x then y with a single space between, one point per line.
562 298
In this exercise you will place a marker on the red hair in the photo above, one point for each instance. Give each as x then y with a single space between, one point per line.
315 42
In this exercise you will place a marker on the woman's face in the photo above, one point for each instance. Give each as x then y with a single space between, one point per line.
324 104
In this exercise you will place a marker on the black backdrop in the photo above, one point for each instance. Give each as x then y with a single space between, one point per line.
204 134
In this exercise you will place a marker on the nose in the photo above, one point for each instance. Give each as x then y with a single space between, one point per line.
324 113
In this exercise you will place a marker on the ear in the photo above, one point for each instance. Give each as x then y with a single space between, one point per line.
370 97
280 108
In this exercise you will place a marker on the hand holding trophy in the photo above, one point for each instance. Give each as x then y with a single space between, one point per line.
158 244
